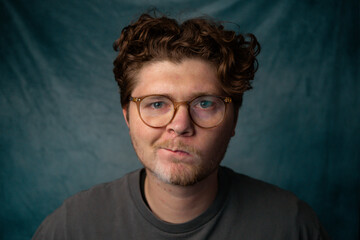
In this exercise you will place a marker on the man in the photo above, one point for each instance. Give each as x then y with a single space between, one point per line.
181 89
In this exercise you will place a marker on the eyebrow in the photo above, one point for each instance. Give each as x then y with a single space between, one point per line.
192 96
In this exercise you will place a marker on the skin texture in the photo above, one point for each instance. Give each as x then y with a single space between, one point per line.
181 159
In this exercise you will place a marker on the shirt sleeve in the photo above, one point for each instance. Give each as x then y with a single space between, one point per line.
53 227
310 227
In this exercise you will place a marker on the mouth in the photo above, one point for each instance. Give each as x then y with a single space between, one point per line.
177 151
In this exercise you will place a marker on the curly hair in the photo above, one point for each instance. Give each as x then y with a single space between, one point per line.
161 38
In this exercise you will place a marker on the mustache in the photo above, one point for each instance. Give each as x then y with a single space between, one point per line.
177 146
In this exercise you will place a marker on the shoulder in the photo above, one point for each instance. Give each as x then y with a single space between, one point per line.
269 207
95 205
252 190
105 192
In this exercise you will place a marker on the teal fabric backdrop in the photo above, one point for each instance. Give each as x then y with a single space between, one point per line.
61 126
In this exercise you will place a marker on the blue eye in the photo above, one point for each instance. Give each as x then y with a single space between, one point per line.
205 104
157 105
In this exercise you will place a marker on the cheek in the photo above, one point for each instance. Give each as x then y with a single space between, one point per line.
215 143
142 135
207 143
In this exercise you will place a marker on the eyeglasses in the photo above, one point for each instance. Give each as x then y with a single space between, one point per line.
158 110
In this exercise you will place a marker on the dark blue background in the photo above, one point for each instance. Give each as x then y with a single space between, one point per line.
61 127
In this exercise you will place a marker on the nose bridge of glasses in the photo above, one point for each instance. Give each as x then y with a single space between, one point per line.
178 104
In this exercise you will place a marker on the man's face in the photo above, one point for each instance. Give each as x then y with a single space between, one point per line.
180 153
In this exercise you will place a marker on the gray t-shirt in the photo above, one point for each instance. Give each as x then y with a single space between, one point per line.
244 208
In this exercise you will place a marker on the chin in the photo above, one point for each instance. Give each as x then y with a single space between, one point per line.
180 174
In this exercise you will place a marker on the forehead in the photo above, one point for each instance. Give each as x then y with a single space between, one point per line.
180 80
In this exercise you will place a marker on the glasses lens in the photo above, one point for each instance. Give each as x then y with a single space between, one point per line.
156 111
207 111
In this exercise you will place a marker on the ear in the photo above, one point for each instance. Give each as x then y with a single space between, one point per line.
125 111
236 114
233 131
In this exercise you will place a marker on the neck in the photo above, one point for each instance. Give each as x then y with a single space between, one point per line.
179 204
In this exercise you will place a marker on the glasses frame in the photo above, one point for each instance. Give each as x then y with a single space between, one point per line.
138 100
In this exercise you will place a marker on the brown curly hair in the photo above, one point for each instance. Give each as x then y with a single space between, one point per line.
162 38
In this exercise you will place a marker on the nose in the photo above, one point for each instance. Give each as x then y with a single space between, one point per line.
181 124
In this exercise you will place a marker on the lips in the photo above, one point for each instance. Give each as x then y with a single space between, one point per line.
178 151
175 156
